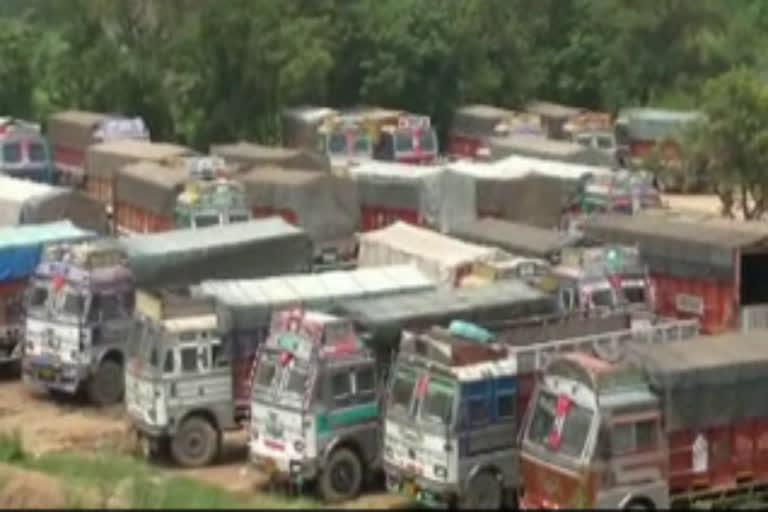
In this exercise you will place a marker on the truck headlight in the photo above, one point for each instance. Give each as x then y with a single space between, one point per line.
298 446
441 472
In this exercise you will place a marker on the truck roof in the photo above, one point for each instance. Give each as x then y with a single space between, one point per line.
549 109
163 304
517 238
247 155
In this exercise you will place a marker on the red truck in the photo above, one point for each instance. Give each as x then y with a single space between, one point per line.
681 424
70 133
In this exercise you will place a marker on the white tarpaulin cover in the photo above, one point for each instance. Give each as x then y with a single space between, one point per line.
441 257
27 202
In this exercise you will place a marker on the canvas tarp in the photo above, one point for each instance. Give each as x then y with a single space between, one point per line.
27 202
515 238
683 245
326 206
439 197
151 186
184 257
248 303
247 155
105 160
541 147
493 303
21 246
439 256
478 120
73 128
712 381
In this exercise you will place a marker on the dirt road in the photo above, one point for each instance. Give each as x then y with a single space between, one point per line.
48 426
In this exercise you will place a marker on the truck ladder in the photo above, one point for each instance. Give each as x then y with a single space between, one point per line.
608 346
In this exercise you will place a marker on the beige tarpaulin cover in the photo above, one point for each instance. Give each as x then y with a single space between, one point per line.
325 205
440 257
105 160
151 186
27 202
248 155
73 128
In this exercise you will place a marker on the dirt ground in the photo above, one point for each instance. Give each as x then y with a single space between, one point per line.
47 425
703 203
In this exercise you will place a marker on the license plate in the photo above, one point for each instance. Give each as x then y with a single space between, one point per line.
409 490
46 374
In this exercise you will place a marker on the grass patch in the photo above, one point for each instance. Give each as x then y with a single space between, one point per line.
123 481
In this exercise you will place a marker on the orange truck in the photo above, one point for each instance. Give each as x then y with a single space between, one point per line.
71 132
682 424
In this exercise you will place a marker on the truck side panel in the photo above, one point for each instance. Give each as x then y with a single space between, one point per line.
734 455
375 217
287 215
711 302
138 220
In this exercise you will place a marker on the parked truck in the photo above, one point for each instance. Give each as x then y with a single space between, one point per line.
20 252
80 320
25 152
242 323
70 133
455 407
678 425
181 193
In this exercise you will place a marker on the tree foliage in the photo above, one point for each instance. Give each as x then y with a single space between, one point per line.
203 71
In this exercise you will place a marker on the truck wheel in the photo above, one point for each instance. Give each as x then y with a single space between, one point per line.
484 492
196 444
342 478
638 505
107 384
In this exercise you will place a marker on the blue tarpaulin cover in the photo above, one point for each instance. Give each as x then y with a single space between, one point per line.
21 246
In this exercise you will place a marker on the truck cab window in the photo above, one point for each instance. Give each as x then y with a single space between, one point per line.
94 311
477 411
36 152
189 359
506 405
12 153
365 380
219 356
206 220
169 366
110 307
341 384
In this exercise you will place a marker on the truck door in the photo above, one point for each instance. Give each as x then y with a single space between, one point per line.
111 316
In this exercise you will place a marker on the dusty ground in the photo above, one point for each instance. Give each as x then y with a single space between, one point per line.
48 425
705 203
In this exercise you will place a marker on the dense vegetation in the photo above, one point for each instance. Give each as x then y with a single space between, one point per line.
203 71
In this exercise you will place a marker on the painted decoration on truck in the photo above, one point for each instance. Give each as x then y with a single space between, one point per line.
561 411
691 304
700 454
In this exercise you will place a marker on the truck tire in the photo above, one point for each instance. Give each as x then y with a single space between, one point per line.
638 505
342 477
196 443
484 492
106 386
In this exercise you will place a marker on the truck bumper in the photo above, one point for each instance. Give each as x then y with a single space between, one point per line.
154 432
285 469
430 493
46 374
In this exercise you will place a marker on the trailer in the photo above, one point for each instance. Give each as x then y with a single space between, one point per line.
677 425
20 252
71 132
25 202
103 162
80 318
244 309
701 266
247 155
324 205
445 259
456 406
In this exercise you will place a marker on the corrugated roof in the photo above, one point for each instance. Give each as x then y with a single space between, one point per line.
703 229
316 288
35 234
513 237
182 240
441 302
393 170
484 111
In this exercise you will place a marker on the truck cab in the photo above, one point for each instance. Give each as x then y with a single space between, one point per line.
24 152
210 198
530 270
79 320
590 426
178 380
315 404
413 140
451 421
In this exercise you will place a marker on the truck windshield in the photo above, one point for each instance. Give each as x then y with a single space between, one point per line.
337 144
265 374
38 296
69 304
403 141
437 404
603 298
565 435
427 140
208 219
238 217
634 292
